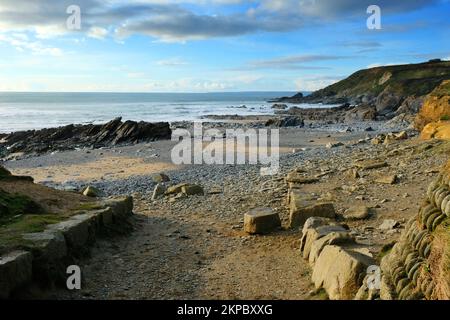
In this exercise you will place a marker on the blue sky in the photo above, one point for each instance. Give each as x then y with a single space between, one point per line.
210 45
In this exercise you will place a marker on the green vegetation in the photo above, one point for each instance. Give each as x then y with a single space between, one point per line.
15 204
320 294
412 79
11 234
4 172
445 117
385 250
90 206
443 90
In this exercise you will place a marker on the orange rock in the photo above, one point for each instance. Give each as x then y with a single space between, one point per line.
436 130
436 106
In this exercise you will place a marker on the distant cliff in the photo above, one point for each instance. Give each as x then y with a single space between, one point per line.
391 90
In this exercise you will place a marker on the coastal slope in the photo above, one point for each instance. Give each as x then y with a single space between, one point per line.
390 89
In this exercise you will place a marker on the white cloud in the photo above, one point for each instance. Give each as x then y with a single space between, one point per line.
313 84
22 44
97 33
172 62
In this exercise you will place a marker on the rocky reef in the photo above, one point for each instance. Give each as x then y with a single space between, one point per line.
72 136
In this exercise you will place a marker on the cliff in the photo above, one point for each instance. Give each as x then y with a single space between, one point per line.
434 116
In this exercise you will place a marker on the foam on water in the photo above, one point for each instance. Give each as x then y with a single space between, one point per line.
24 111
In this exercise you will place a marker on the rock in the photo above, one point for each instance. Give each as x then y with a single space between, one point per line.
311 235
175 189
391 179
354 174
279 106
261 220
389 224
215 190
75 231
436 106
333 238
302 207
158 191
192 190
49 244
401 135
370 164
15 272
90 191
340 272
4 172
315 222
291 121
160 177
436 130
112 133
357 213
334 145
49 251
296 178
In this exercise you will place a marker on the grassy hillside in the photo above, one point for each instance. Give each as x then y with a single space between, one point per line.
418 79
401 81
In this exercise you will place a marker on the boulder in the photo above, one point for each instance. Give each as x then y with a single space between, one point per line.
333 238
15 272
75 231
175 189
92 192
192 190
158 191
391 179
331 145
296 178
357 213
160 177
302 207
371 164
340 271
313 234
261 220
389 224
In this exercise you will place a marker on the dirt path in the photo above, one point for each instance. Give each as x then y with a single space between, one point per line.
180 256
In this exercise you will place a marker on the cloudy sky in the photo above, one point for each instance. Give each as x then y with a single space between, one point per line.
210 45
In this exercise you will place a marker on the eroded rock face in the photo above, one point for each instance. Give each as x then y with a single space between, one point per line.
70 137
436 106
417 265
436 130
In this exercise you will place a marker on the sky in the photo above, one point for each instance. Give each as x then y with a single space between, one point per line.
210 45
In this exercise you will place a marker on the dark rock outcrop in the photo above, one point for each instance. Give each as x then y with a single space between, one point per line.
343 113
72 136
290 121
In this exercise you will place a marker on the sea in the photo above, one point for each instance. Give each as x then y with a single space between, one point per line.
26 111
